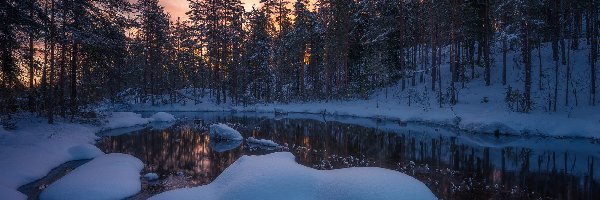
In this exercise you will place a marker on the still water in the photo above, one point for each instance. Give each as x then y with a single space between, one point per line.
453 164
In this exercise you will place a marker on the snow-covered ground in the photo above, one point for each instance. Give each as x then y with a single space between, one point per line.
111 176
469 114
480 108
278 176
36 147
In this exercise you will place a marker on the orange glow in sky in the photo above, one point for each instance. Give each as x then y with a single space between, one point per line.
177 8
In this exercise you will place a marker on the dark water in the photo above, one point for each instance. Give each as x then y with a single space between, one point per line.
452 164
34 189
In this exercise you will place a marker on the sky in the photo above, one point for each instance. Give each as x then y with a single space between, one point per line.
177 8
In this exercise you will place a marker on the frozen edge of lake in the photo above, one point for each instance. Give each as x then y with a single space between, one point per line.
480 119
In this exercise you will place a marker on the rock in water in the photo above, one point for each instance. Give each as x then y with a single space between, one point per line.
223 132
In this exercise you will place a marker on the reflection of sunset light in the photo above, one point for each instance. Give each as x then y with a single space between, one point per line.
306 142
497 176
307 55
200 150
205 164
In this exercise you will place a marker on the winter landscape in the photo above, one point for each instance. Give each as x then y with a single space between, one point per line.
299 99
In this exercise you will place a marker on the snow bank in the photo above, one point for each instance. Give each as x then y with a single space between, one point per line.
151 176
112 176
223 132
278 176
124 119
261 142
163 117
128 119
30 152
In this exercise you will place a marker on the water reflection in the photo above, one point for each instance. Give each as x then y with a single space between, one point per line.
454 165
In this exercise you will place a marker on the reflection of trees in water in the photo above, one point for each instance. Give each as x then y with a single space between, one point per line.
473 172
179 149
452 170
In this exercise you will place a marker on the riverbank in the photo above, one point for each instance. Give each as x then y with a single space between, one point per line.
35 148
468 115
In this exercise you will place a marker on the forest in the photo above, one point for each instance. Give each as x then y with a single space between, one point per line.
59 57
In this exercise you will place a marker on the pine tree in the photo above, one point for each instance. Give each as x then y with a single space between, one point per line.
153 29
257 55
336 14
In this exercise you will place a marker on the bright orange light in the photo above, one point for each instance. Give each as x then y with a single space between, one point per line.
307 55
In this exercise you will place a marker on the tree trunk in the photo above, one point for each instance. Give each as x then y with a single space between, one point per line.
433 59
504 52
568 76
486 43
73 73
50 97
555 84
594 25
527 62
61 79
31 64
556 29
540 75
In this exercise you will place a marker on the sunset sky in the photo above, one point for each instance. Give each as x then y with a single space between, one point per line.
177 8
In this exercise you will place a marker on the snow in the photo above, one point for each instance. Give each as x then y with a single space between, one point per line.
223 132
151 176
125 119
474 116
35 148
7 193
261 142
117 120
112 176
163 117
278 176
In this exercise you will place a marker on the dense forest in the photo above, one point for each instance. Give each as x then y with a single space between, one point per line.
59 56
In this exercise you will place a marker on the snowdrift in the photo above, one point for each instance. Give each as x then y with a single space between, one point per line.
278 176
112 176
128 119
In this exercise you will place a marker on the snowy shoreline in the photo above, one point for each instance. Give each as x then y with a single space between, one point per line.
35 148
52 145
539 128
